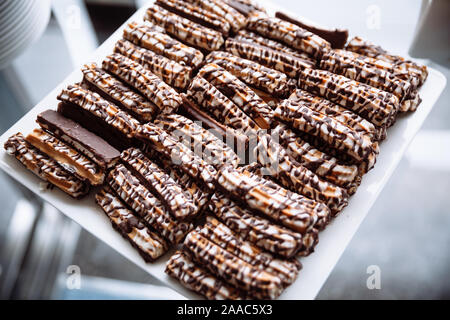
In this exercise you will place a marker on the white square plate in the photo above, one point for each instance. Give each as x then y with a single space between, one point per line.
333 240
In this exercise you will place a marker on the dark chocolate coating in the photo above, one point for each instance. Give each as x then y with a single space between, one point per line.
88 143
111 135
244 7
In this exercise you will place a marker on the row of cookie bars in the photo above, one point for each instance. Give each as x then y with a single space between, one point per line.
282 95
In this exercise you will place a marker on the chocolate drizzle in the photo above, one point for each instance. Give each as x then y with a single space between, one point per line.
341 63
330 130
179 204
297 178
178 154
168 70
260 231
195 277
146 205
197 15
379 107
117 92
239 93
148 36
202 142
224 110
259 283
148 84
324 165
289 34
369 49
252 73
184 29
288 209
275 59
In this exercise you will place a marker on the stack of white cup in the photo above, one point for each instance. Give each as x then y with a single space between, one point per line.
21 23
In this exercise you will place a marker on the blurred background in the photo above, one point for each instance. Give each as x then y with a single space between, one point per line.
405 234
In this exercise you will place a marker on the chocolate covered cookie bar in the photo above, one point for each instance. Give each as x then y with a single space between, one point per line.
324 165
248 36
180 156
149 244
144 81
196 14
278 60
198 279
289 34
253 74
171 72
81 139
375 105
223 109
320 217
204 143
329 129
410 101
345 116
369 49
199 195
356 69
258 283
296 177
180 204
336 37
298 213
118 93
221 235
151 37
260 231
239 93
102 117
67 157
45 167
233 138
128 187
185 30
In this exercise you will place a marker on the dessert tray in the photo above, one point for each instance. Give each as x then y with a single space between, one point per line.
333 240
